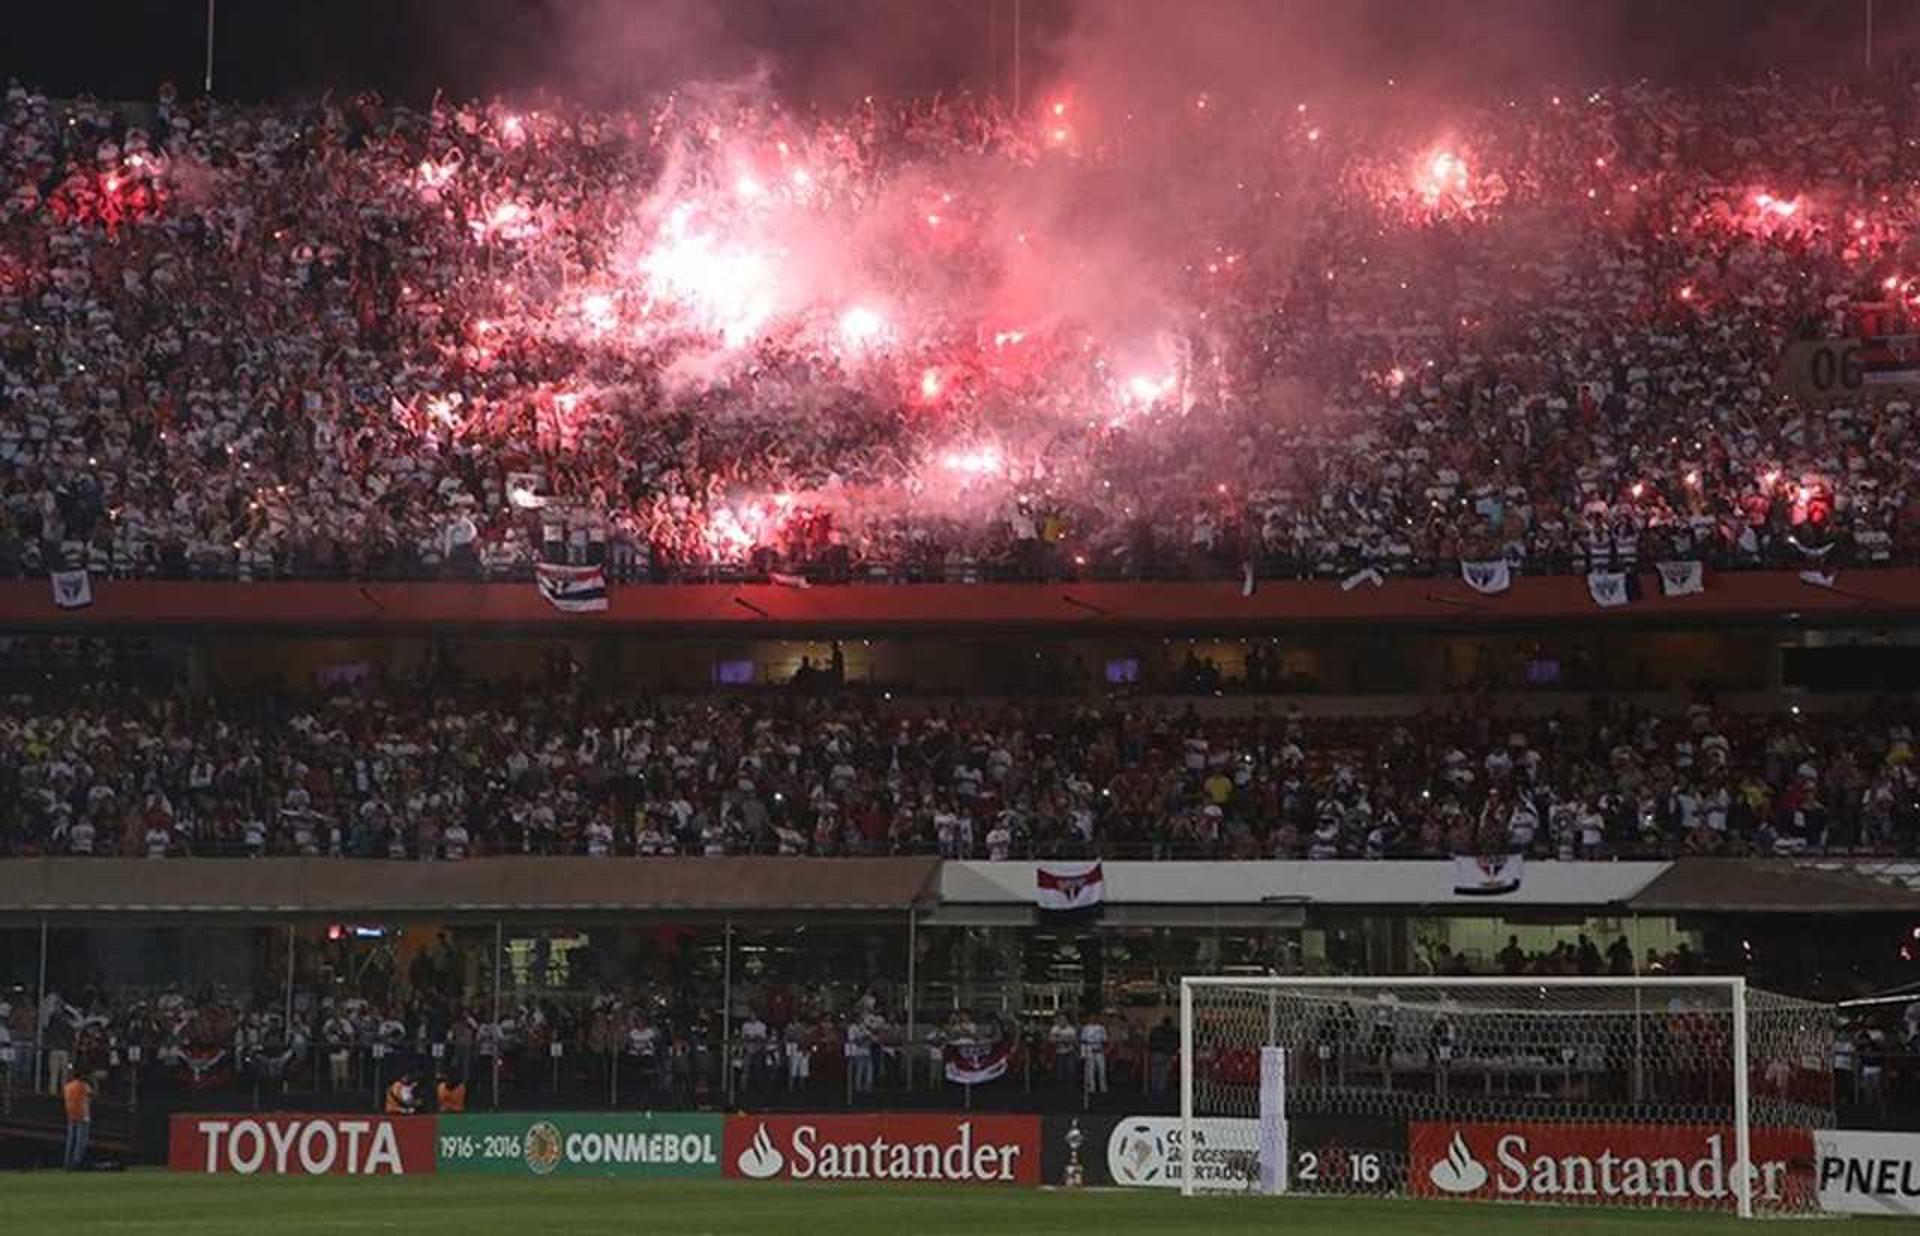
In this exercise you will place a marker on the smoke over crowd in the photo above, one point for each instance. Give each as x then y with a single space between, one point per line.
1190 289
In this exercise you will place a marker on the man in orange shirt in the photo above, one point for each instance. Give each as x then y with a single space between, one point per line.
400 1099
78 1093
450 1096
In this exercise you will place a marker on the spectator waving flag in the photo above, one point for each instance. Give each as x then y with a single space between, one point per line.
572 589
1069 888
1489 577
72 589
1682 579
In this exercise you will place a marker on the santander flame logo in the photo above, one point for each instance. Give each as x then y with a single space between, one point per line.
1459 1172
761 1161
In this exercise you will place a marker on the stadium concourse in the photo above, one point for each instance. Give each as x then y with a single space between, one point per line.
712 336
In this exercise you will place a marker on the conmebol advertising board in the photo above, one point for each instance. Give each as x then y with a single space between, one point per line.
582 1144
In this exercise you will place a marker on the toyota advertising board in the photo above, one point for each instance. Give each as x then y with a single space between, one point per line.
582 1144
959 1148
301 1144
1687 1164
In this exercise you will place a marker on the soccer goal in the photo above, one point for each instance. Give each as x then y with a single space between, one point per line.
1694 1093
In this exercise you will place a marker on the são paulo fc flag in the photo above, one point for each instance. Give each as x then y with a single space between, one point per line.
1487 875
1682 579
72 589
974 1064
1489 578
1069 888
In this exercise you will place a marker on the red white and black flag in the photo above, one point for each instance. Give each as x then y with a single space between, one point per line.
1487 875
972 1064
1069 888
573 589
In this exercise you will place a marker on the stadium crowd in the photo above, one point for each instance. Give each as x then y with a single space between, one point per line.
354 339
666 1045
454 773
639 1043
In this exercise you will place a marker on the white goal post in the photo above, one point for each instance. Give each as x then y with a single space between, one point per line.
1663 1091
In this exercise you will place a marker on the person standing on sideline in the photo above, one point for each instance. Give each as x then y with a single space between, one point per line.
1066 1049
859 1055
1093 1055
78 1093
1163 1046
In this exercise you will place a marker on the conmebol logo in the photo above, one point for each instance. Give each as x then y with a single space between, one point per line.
1459 1172
761 1160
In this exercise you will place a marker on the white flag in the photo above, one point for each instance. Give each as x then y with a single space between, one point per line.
1063 887
1819 579
1607 588
1246 578
1487 876
523 490
1367 575
1489 577
1682 579
72 589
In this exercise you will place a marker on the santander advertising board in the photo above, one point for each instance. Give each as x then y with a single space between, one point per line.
1607 1163
959 1149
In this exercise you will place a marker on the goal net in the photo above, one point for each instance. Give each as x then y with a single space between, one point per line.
1652 1092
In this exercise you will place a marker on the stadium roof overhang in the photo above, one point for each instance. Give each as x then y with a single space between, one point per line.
1782 886
131 889
1278 893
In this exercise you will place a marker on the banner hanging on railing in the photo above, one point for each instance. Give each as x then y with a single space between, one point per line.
973 1064
573 589
1489 578
1069 888
1682 579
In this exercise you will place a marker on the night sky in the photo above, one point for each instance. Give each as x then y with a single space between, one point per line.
828 49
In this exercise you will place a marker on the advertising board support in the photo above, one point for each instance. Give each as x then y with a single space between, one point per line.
726 1008
499 951
912 1042
1186 1089
290 947
40 1021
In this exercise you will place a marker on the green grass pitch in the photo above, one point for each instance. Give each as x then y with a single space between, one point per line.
154 1203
